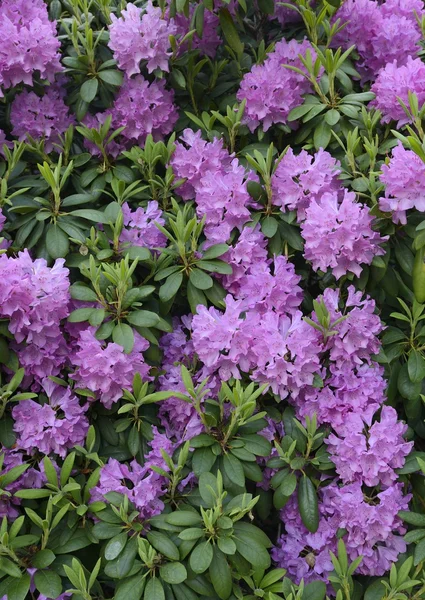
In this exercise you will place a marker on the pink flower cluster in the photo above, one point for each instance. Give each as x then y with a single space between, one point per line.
271 90
382 32
28 43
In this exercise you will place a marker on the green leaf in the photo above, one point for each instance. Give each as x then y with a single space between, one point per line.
173 573
143 318
376 591
316 590
48 583
195 296
201 280
234 470
308 504
208 488
215 251
43 559
419 554
220 575
123 335
288 485
88 90
201 557
32 494
162 543
406 387
253 551
9 567
112 77
170 287
79 291
416 366
202 460
19 588
123 564
57 242
215 266
322 135
116 545
80 314
90 214
130 589
184 518
412 518
229 31
269 226
154 590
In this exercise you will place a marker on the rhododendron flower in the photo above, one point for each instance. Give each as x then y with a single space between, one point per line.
142 108
53 427
404 178
28 43
43 118
271 90
340 235
395 82
104 369
134 37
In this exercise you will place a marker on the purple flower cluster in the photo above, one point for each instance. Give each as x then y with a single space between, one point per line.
370 454
34 297
301 178
271 90
28 43
382 32
374 531
216 181
404 178
338 234
142 108
43 118
337 230
394 82
135 37
104 369
53 427
139 226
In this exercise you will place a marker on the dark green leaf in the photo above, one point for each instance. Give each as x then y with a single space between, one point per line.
123 335
307 504
48 583
116 545
57 242
88 90
173 573
170 287
201 557
221 575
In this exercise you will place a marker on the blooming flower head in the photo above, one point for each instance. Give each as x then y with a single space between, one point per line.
53 427
301 178
382 33
43 118
142 108
374 529
395 82
139 226
370 455
271 90
193 158
34 297
340 235
28 43
142 486
104 368
305 555
223 199
134 37
404 180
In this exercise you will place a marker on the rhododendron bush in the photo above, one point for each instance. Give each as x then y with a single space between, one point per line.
212 299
